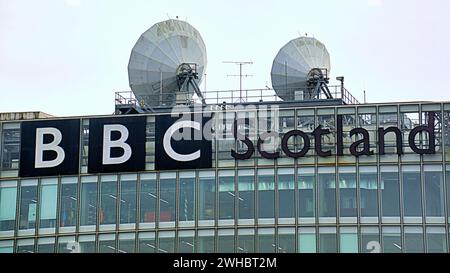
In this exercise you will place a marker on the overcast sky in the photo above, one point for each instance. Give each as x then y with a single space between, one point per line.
68 57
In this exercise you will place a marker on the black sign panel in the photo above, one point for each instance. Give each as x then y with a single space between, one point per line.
174 152
117 144
49 148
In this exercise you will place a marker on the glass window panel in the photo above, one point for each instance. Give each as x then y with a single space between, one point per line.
412 198
391 240
88 204
327 240
186 241
167 201
246 241
368 193
147 243
8 199
349 243
286 240
28 206
148 198
107 243
127 243
187 199
226 195
286 193
370 240
25 246
390 193
205 242
46 245
207 197
266 194
87 243
307 242
266 241
48 206
69 197
327 195
225 241
306 200
10 147
166 242
6 246
413 240
434 193
246 192
108 205
447 179
67 244
347 192
128 200
436 240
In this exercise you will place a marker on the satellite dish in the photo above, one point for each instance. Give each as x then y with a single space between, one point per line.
300 69
167 64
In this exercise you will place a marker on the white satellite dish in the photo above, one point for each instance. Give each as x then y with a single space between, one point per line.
167 63
302 65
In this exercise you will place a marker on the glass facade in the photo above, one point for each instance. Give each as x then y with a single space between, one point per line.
379 203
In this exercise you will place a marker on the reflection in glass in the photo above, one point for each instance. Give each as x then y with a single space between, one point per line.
8 199
347 193
107 243
10 147
327 240
286 193
370 240
186 242
266 241
126 243
226 195
87 243
327 195
246 192
246 241
434 193
436 240
368 194
68 212
148 199
108 201
166 242
187 199
306 182
266 194
28 206
225 241
147 243
390 194
412 198
286 240
413 240
47 208
205 243
391 240
207 197
307 240
127 201
88 203
167 201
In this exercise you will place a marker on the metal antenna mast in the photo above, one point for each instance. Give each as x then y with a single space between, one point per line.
241 99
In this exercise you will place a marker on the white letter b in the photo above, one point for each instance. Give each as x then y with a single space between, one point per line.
52 146
120 143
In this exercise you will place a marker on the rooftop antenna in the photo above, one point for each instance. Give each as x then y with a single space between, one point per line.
241 99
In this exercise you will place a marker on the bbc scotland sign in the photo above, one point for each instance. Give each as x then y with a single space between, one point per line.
117 144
